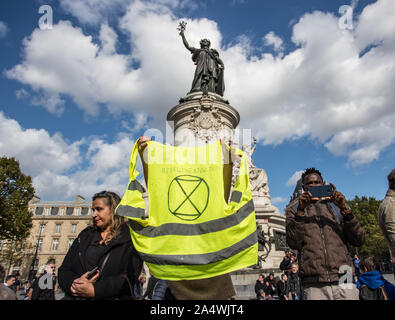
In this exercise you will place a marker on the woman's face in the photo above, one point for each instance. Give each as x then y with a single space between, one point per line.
101 213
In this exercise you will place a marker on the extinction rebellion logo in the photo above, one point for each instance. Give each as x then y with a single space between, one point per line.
188 197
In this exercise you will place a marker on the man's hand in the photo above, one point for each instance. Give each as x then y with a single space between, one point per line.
229 155
303 201
340 201
142 142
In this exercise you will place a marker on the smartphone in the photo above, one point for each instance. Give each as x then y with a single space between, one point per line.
321 191
92 272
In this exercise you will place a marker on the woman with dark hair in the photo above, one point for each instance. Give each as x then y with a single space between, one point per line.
102 263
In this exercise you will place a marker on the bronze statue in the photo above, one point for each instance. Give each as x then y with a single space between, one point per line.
209 73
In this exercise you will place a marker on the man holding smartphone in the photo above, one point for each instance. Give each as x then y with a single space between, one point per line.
320 226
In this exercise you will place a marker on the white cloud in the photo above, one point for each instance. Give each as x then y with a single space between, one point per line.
21 94
277 200
325 89
3 29
93 11
60 167
294 179
36 148
271 39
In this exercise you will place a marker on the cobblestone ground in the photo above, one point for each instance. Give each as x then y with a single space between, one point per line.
59 295
390 277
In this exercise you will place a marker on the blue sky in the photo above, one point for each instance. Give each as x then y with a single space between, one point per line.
73 98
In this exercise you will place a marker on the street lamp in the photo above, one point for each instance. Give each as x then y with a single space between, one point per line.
31 271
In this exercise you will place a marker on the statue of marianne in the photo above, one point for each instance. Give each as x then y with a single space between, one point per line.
209 73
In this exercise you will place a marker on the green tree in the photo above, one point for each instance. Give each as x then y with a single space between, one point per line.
365 209
15 251
16 191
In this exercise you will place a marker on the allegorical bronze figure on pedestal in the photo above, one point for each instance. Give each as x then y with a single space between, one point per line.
209 73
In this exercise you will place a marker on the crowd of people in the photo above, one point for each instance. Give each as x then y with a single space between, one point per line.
102 262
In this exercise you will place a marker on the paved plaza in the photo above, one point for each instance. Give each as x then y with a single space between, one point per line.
250 296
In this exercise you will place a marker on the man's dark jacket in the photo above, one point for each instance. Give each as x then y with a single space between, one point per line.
259 288
123 262
321 237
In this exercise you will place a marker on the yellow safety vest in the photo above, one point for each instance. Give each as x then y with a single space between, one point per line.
191 232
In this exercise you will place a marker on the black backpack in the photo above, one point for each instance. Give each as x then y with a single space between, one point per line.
366 293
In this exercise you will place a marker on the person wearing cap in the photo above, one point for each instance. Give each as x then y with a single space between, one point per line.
386 217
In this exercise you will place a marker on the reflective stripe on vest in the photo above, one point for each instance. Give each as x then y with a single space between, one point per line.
191 232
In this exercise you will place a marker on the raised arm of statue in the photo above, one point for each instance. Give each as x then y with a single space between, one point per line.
181 28
186 44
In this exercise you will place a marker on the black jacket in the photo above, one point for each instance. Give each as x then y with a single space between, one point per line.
123 262
286 264
282 290
295 285
259 288
43 293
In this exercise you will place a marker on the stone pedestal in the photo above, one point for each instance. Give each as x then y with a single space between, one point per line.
199 120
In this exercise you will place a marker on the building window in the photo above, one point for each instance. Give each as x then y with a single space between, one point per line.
61 211
69 211
57 228
39 211
73 228
70 243
39 243
55 244
42 228
54 211
16 267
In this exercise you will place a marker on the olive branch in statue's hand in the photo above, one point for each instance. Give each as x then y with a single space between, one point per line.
182 26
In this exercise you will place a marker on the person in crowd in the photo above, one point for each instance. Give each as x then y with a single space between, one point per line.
272 282
321 230
260 288
294 284
152 281
17 284
371 284
9 282
102 262
356 265
287 261
5 292
26 289
282 288
157 289
162 291
268 290
44 287
138 287
386 217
